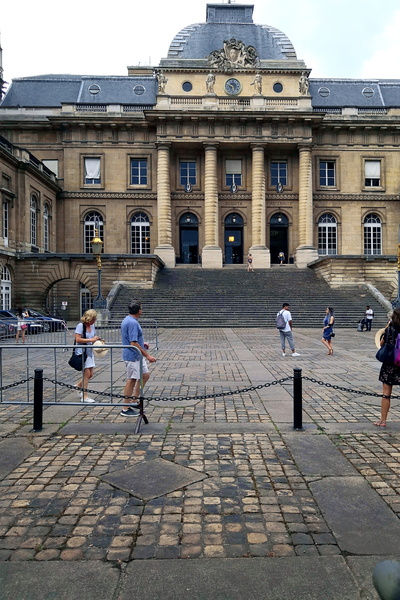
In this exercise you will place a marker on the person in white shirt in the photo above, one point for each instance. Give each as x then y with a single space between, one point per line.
286 333
369 315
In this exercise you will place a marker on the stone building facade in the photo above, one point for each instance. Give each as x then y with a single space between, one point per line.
228 146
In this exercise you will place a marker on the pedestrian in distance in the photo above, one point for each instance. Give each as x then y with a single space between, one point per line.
369 315
281 257
22 326
85 336
389 374
285 332
327 331
250 262
132 335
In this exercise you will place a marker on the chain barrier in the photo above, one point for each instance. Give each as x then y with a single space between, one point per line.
203 396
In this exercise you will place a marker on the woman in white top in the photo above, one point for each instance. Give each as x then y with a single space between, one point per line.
21 326
86 326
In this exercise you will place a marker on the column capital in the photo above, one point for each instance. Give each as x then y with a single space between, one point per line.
257 146
163 145
305 146
211 145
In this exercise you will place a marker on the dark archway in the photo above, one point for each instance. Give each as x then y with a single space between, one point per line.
278 237
189 239
234 239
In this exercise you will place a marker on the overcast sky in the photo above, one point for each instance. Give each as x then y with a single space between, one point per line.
340 38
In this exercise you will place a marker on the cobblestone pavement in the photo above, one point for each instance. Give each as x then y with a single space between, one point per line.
255 500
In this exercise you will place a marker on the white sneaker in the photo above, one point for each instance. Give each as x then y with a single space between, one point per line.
87 399
295 354
283 354
79 393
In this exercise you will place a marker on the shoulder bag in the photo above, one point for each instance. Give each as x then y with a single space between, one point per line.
385 353
77 361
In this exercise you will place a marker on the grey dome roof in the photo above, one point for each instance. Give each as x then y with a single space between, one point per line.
226 21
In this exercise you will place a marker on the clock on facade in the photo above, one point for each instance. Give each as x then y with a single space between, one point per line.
233 86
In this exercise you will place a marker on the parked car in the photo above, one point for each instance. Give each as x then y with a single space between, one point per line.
10 316
7 329
47 322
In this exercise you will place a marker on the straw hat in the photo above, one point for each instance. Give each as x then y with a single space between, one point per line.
378 336
98 349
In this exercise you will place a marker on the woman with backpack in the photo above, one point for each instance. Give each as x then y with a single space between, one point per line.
389 374
327 332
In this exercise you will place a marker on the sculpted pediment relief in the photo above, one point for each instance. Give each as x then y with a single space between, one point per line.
234 54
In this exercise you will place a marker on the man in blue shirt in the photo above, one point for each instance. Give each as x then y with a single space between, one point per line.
132 335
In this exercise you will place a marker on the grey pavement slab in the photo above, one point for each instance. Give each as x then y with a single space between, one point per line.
12 452
58 580
215 428
360 520
362 568
111 428
317 455
153 478
300 578
59 413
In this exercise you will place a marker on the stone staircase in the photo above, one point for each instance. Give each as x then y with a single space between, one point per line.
232 297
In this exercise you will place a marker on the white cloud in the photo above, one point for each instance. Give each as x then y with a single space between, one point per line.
384 62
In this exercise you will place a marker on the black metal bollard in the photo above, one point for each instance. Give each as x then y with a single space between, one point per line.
297 399
38 400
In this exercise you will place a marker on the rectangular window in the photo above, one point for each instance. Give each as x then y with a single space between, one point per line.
278 172
233 172
372 173
138 171
6 220
52 165
6 182
187 170
327 173
92 171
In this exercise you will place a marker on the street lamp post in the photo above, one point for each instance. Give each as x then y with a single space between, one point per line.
97 246
396 301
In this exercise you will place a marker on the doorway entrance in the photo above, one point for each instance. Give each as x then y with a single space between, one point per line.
278 237
234 239
189 239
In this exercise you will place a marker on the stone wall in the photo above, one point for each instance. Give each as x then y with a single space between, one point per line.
379 271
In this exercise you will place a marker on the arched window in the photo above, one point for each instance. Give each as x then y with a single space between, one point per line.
93 220
372 234
140 234
46 228
5 289
33 223
233 219
327 234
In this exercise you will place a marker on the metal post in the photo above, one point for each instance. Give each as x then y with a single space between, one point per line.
297 399
38 400
142 416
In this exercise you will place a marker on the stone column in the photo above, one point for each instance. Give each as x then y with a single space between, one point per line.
305 252
211 254
261 254
164 248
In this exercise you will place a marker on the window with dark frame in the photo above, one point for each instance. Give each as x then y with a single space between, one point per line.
233 172
278 171
372 170
139 171
327 173
188 172
92 171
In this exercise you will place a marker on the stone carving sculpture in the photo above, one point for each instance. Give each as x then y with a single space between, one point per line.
304 84
161 80
234 54
210 82
257 82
